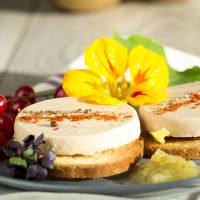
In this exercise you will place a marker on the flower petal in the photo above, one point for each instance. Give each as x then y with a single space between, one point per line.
145 65
149 73
107 57
103 99
88 86
153 97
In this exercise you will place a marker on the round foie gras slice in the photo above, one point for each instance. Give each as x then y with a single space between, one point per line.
74 127
179 114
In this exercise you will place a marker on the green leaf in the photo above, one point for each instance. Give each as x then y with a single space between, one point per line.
136 40
28 153
189 75
17 161
33 157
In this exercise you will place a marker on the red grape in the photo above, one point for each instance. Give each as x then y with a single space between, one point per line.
59 92
9 99
7 124
3 103
2 139
26 91
11 115
18 105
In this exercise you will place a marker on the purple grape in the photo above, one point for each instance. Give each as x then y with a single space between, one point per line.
42 173
14 144
47 164
26 161
18 152
50 156
12 148
28 140
8 152
47 160
40 140
18 172
31 172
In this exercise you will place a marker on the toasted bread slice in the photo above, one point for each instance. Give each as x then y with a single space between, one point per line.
104 164
188 148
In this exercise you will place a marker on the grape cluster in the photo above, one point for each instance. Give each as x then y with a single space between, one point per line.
9 108
26 160
11 105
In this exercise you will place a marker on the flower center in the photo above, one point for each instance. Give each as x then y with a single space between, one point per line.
118 88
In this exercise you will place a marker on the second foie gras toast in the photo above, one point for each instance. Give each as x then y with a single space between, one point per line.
180 115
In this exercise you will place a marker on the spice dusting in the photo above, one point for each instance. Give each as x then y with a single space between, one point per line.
192 99
77 115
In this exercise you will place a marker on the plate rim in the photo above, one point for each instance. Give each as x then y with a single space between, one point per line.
109 188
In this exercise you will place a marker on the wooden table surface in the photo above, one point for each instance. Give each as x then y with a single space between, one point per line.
38 40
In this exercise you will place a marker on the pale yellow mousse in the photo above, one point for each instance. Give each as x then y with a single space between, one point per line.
74 127
163 167
180 114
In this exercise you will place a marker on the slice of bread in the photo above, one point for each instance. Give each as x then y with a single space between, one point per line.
104 164
188 148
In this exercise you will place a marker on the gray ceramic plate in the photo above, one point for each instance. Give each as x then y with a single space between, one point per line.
117 185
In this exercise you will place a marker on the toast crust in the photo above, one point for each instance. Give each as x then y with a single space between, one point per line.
188 148
104 164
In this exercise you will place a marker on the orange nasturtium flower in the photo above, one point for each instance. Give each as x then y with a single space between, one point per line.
105 82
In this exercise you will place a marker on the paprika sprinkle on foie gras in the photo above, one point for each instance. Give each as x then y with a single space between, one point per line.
192 99
76 115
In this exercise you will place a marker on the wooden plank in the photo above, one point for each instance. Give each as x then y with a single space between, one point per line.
55 38
12 21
